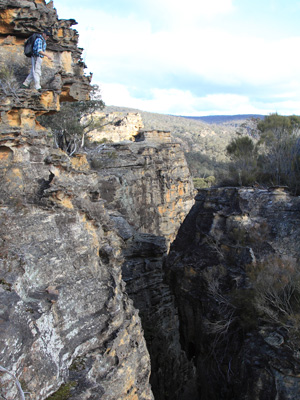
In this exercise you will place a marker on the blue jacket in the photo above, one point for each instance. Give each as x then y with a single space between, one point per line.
39 45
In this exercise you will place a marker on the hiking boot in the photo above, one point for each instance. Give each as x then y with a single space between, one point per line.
24 86
37 92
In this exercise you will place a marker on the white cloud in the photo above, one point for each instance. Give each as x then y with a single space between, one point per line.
180 12
183 102
180 102
130 54
205 54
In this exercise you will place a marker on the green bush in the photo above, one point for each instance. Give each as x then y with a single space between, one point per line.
271 159
74 121
203 183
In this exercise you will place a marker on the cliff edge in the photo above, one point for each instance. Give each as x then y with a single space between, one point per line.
67 326
71 229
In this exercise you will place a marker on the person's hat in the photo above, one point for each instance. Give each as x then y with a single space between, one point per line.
47 32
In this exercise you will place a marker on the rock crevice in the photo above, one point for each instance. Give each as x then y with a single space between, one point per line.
234 271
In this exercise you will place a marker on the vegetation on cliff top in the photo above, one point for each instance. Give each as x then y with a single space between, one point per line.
270 155
237 153
242 152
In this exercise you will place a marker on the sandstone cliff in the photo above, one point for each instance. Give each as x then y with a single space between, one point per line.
173 375
72 228
66 322
117 127
62 79
86 289
67 325
148 181
234 270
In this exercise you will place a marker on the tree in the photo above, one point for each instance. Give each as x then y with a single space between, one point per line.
74 121
243 153
280 149
273 158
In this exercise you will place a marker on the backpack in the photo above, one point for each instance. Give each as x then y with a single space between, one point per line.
28 46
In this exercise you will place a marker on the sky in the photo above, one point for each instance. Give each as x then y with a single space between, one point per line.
192 57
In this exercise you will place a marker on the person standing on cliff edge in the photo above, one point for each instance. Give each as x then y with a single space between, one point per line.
39 52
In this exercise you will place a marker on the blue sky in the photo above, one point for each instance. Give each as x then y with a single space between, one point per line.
192 57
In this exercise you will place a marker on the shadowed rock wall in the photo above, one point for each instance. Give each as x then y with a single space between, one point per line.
234 270
172 376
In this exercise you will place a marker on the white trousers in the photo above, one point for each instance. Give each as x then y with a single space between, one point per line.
35 73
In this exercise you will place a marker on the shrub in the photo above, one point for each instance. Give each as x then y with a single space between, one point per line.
276 285
9 85
203 183
74 121
243 153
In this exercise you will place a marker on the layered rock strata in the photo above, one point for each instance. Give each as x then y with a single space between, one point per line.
172 376
234 270
117 127
148 191
147 181
62 79
66 323
67 326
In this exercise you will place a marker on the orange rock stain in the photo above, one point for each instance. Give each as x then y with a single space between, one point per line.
6 19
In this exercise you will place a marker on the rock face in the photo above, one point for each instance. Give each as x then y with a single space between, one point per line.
67 326
173 375
142 174
148 191
154 136
147 181
117 127
234 270
66 323
72 228
62 79
84 278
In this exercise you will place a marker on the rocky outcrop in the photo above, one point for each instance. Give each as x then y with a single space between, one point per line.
72 228
234 270
62 79
117 127
66 323
154 136
147 181
67 326
148 191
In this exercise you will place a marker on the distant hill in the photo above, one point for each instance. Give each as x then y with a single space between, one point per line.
223 119
203 139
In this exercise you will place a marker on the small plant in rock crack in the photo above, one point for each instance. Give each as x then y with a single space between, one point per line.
215 246
9 85
226 313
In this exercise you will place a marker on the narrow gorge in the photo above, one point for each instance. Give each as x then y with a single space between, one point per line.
116 282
